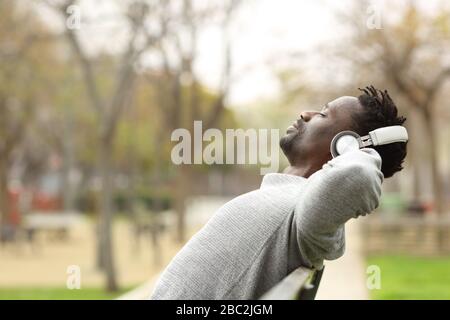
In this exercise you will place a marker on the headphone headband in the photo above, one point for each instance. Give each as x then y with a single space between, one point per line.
349 140
388 135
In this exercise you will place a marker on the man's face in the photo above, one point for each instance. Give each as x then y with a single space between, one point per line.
309 137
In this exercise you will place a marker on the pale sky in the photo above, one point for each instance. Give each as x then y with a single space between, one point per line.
269 29
263 31
266 30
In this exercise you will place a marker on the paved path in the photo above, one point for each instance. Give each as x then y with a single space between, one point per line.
45 264
345 278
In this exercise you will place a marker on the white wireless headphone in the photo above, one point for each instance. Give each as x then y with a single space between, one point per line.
348 140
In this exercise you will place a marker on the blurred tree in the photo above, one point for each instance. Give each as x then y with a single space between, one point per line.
411 54
25 61
178 90
108 106
57 122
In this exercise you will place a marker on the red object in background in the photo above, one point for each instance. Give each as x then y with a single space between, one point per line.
14 216
44 202
40 202
428 206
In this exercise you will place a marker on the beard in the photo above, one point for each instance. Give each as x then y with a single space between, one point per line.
288 144
291 142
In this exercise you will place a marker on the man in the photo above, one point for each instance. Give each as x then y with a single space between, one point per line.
297 217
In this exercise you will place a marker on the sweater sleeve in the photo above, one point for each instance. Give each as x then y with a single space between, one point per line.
346 187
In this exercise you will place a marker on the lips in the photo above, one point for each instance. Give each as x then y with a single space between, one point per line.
293 128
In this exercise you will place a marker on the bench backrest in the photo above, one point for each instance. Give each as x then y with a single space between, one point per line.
301 284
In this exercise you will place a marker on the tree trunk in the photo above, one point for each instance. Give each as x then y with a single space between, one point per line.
68 189
3 192
436 179
437 186
416 177
181 193
415 159
106 211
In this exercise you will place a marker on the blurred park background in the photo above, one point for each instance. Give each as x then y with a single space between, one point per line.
90 92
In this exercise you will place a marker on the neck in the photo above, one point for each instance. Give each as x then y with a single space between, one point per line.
304 170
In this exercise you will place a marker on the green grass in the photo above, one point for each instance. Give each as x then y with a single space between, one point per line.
58 294
407 277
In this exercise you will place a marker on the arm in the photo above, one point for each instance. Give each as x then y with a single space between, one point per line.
346 187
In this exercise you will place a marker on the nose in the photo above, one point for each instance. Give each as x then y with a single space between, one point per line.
307 115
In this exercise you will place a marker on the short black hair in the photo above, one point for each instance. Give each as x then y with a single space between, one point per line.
380 111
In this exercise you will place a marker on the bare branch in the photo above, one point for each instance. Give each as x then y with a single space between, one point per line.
137 15
85 63
218 105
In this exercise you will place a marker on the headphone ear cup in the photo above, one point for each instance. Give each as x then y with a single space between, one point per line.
343 142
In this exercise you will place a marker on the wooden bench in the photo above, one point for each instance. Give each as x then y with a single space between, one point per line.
57 223
301 284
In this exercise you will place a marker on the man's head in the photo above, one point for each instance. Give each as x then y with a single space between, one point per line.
308 140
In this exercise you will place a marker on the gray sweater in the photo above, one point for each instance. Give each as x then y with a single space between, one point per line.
255 240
